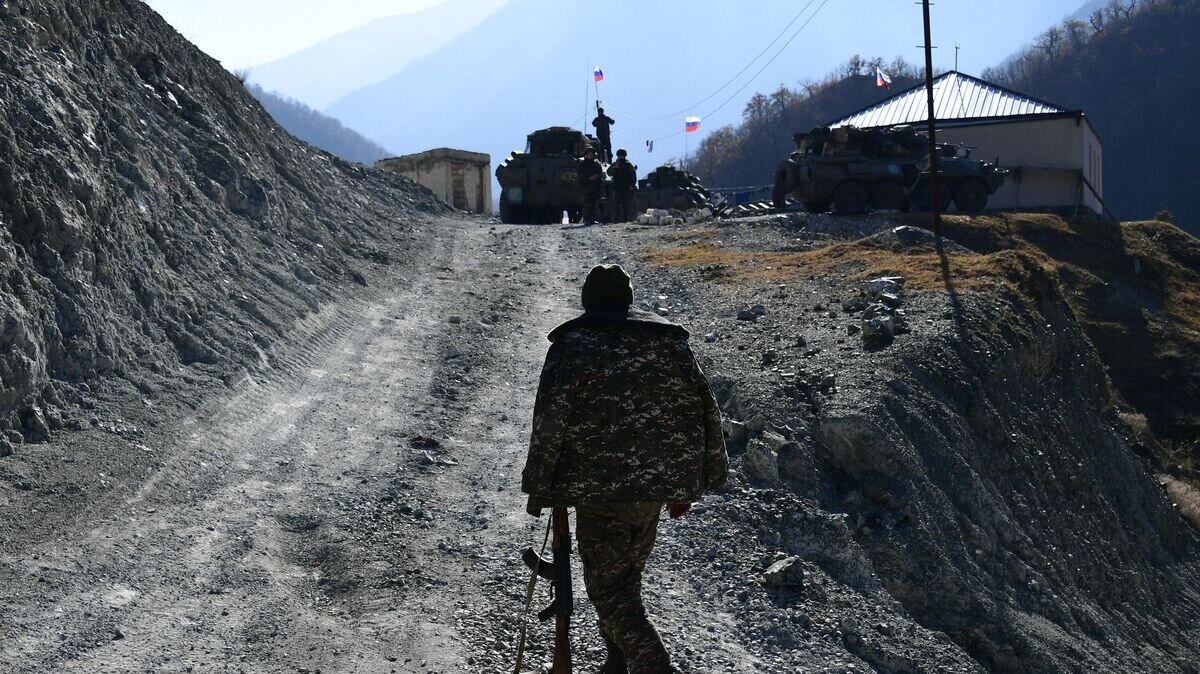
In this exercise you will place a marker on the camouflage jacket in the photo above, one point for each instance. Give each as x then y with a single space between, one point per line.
591 175
623 413
624 175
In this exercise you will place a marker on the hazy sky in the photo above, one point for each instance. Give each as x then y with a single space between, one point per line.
264 30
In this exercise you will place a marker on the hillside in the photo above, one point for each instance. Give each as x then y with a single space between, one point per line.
745 154
1135 288
166 229
324 72
318 130
1124 68
979 465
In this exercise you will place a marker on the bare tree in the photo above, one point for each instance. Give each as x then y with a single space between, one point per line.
1077 33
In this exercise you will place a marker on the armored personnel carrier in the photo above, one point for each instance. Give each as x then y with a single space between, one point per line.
851 170
669 187
539 184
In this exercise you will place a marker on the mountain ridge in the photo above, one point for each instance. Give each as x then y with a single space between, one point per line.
368 54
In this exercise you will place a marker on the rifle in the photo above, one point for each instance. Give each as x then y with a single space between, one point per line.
558 572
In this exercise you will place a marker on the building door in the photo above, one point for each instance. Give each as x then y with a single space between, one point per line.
458 186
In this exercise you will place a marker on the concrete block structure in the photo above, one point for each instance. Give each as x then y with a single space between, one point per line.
462 179
1055 157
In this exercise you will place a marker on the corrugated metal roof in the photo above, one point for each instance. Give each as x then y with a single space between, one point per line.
955 96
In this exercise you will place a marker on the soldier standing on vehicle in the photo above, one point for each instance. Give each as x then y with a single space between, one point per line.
624 424
603 124
591 179
624 175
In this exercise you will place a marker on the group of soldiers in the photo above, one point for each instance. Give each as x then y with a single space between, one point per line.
591 174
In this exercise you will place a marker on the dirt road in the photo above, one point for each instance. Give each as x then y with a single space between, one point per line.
355 510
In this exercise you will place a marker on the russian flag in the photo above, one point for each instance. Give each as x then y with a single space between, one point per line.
691 124
882 80
598 74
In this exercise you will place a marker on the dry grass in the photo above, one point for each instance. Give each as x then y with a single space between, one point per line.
1134 286
854 261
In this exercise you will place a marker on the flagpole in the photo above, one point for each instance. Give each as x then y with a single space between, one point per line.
586 94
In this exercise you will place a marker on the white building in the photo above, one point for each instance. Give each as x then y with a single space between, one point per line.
1054 155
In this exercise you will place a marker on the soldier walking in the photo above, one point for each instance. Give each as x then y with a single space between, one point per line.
603 124
591 179
624 175
624 425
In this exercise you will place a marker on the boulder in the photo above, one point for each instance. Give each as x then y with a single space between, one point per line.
796 464
736 434
893 285
760 464
878 331
854 304
787 572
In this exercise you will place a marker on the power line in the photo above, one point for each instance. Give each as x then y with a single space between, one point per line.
740 72
760 70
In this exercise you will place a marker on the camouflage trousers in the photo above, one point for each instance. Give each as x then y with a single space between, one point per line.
624 206
591 208
615 540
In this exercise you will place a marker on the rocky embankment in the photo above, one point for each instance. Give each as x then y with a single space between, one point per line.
943 433
157 228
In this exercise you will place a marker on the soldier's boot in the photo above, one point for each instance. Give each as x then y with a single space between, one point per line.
615 662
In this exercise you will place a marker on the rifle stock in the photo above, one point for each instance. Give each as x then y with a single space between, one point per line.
558 572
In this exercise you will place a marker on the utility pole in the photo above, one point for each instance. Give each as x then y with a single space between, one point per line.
934 187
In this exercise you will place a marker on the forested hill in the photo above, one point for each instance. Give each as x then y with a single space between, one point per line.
1131 68
743 155
317 129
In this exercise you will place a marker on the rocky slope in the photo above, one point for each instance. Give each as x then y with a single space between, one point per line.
155 225
975 468
1135 289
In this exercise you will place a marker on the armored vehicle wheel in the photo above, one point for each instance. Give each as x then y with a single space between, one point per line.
971 196
817 206
921 196
887 196
509 214
850 198
779 189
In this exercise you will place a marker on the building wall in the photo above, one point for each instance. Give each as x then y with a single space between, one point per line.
461 179
1047 158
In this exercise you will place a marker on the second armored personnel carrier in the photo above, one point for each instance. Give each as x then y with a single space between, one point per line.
851 170
669 187
539 184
